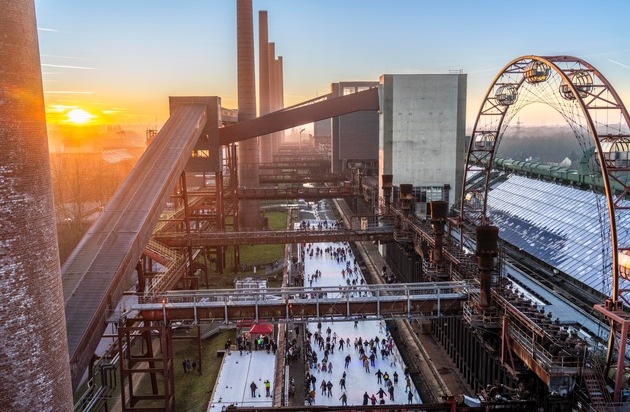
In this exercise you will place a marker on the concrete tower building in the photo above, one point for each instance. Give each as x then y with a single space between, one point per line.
422 131
354 136
34 363
248 171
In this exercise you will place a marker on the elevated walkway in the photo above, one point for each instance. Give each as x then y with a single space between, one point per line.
301 304
300 178
296 163
208 239
95 274
306 193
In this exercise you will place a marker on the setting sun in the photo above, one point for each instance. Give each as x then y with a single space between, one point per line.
79 116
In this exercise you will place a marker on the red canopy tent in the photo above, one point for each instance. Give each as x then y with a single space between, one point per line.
261 329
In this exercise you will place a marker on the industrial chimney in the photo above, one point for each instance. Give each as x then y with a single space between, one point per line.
266 142
248 170
34 361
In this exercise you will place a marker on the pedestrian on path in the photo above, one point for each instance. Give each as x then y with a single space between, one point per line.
253 387
329 385
323 387
267 388
366 398
410 397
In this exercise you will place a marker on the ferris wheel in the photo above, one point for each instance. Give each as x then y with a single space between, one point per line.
592 109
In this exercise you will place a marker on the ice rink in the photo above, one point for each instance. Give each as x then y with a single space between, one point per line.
358 380
236 375
237 372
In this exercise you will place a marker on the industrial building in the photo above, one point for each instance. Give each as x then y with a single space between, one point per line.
462 262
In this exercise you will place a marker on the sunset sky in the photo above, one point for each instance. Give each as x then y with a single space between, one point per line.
118 61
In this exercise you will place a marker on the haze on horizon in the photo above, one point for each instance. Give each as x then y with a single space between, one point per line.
117 62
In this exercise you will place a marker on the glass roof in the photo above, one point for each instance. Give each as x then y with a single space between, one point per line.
565 227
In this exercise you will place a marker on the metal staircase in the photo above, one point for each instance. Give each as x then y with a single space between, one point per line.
596 389
173 263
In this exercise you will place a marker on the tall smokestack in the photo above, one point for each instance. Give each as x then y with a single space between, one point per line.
34 361
249 216
279 96
271 61
280 83
266 144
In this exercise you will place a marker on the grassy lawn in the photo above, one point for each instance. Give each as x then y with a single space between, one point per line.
250 256
192 390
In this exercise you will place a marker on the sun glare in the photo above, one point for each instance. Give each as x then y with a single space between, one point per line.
79 116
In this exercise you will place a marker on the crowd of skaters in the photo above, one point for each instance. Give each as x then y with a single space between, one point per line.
358 352
380 349
319 225
247 343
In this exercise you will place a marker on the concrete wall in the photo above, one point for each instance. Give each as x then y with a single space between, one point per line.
355 135
421 129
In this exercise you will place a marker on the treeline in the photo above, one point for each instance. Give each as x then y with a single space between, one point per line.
542 144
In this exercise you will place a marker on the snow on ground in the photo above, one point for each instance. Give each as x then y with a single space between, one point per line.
358 380
236 375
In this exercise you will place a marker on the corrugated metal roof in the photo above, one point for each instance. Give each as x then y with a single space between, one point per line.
565 227
116 155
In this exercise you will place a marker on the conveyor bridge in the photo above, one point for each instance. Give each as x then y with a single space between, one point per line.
93 276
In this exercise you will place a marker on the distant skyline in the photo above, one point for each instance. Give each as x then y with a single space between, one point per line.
120 60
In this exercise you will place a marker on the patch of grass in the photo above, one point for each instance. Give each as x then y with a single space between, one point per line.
193 391
277 220
252 255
